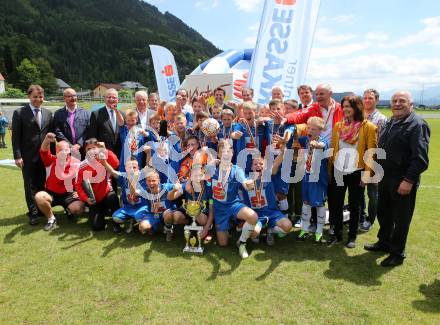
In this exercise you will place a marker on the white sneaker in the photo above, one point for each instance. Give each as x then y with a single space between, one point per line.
242 251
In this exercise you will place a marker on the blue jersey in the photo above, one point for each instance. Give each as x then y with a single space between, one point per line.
203 139
280 130
264 200
225 191
3 124
160 157
189 119
315 165
225 133
132 141
176 157
129 199
256 137
158 203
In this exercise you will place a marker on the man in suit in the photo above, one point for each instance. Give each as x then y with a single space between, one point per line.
30 124
71 122
144 113
219 96
103 125
305 93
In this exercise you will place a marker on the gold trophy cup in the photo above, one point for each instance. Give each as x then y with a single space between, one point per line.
193 232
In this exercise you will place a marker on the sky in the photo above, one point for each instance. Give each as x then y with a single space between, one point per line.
382 44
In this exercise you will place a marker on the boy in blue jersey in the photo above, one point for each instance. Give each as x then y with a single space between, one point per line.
198 189
315 181
256 135
231 131
205 141
285 132
158 151
132 138
226 181
261 198
131 189
158 207
144 199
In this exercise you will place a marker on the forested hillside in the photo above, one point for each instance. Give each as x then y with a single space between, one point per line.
85 42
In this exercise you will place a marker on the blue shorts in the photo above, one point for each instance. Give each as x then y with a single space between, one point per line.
126 212
153 219
279 185
268 217
313 192
223 213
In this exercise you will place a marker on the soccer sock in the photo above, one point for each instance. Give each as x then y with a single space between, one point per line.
51 219
246 231
320 216
306 215
284 205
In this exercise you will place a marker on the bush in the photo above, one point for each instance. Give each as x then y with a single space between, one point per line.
13 93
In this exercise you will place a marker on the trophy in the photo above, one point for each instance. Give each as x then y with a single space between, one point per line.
193 232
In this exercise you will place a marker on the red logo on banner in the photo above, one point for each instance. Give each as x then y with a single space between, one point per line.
285 2
168 70
239 84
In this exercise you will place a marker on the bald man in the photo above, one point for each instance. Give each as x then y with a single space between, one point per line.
324 107
405 139
71 121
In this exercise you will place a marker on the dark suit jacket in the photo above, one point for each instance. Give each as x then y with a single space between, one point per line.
26 135
62 127
100 127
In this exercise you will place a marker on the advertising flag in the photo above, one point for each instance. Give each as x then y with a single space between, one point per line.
283 47
165 69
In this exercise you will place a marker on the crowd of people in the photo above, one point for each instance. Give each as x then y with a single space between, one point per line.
259 169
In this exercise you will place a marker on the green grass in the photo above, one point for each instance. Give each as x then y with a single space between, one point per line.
73 276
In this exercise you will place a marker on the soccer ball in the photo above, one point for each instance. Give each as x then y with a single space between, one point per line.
210 127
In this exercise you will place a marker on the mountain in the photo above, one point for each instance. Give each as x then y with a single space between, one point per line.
424 95
87 42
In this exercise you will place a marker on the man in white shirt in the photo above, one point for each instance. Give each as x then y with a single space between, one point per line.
186 108
144 114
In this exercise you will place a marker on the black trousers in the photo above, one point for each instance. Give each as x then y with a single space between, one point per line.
394 214
34 179
98 211
294 198
352 183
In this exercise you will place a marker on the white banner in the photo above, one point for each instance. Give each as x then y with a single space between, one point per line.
165 69
283 47
197 85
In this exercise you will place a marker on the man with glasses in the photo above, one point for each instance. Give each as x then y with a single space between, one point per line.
71 121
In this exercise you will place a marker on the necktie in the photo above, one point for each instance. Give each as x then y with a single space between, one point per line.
72 126
113 120
38 116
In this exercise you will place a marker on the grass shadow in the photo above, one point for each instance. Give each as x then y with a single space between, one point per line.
23 228
431 304
360 269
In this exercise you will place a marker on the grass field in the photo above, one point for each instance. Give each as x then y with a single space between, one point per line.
72 276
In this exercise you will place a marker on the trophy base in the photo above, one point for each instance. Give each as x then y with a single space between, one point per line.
192 232
193 250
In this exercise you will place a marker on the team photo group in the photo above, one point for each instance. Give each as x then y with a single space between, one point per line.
256 170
